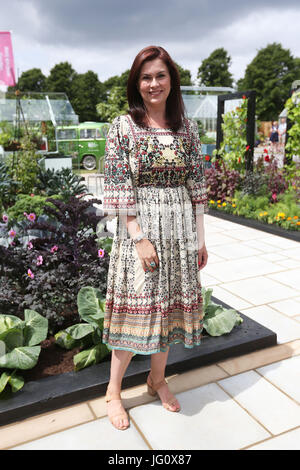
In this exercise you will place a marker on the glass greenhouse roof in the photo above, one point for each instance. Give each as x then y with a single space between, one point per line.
202 102
37 107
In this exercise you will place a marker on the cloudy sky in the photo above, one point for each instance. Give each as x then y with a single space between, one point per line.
105 36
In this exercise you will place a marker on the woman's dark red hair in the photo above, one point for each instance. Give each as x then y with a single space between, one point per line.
174 106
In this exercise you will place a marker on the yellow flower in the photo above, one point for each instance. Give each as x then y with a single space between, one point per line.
219 205
219 201
224 204
233 205
212 201
281 214
298 223
289 218
261 214
265 213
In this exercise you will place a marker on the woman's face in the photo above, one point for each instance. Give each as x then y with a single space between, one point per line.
154 83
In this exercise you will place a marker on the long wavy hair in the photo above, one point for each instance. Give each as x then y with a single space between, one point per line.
175 111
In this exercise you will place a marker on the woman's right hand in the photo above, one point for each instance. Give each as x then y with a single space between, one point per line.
147 254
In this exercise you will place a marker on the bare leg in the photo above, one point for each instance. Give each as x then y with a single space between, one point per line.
158 366
119 363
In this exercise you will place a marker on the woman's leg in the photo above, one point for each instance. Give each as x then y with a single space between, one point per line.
158 366
119 362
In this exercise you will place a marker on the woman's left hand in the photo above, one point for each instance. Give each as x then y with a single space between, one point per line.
202 257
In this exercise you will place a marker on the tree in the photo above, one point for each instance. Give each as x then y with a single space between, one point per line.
32 80
185 76
214 70
270 74
61 78
116 104
87 91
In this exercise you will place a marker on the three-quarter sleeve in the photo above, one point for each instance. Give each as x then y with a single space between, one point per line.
118 197
196 182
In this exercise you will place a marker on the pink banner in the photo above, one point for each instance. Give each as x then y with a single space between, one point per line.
7 71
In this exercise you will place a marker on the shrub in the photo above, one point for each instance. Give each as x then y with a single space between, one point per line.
47 274
221 183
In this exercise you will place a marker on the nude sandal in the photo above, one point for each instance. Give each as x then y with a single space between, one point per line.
154 387
112 418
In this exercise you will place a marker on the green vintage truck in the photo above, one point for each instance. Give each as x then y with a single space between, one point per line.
85 142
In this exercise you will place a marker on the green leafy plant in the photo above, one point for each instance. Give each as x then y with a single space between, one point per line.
218 320
19 340
63 182
23 165
8 187
293 109
88 335
234 149
29 204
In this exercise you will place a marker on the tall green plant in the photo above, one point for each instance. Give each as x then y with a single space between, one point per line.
234 146
293 108
23 165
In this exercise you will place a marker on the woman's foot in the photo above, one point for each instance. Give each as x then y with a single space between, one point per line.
161 388
115 410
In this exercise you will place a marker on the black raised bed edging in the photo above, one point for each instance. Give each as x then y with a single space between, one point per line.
67 389
257 224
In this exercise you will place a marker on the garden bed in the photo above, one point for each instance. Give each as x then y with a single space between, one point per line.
257 224
59 386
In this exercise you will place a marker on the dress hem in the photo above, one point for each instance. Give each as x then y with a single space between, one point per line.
146 353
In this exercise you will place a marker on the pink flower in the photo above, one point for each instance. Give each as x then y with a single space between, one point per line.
12 233
54 248
25 213
31 194
30 273
101 253
5 218
39 260
29 245
31 217
274 195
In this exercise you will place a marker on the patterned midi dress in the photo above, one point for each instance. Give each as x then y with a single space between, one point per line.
158 176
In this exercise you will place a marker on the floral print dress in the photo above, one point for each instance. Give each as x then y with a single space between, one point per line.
158 176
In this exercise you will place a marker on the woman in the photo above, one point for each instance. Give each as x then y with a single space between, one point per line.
154 182
274 137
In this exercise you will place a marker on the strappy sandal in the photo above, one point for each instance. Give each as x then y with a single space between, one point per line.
121 415
154 387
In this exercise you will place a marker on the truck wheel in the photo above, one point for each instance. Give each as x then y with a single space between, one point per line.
89 162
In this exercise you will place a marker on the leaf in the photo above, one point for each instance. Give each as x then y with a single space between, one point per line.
4 380
9 321
23 358
221 323
36 328
90 305
12 338
80 330
64 340
90 356
16 381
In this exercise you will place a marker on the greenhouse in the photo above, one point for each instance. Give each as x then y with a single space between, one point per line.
201 103
37 107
